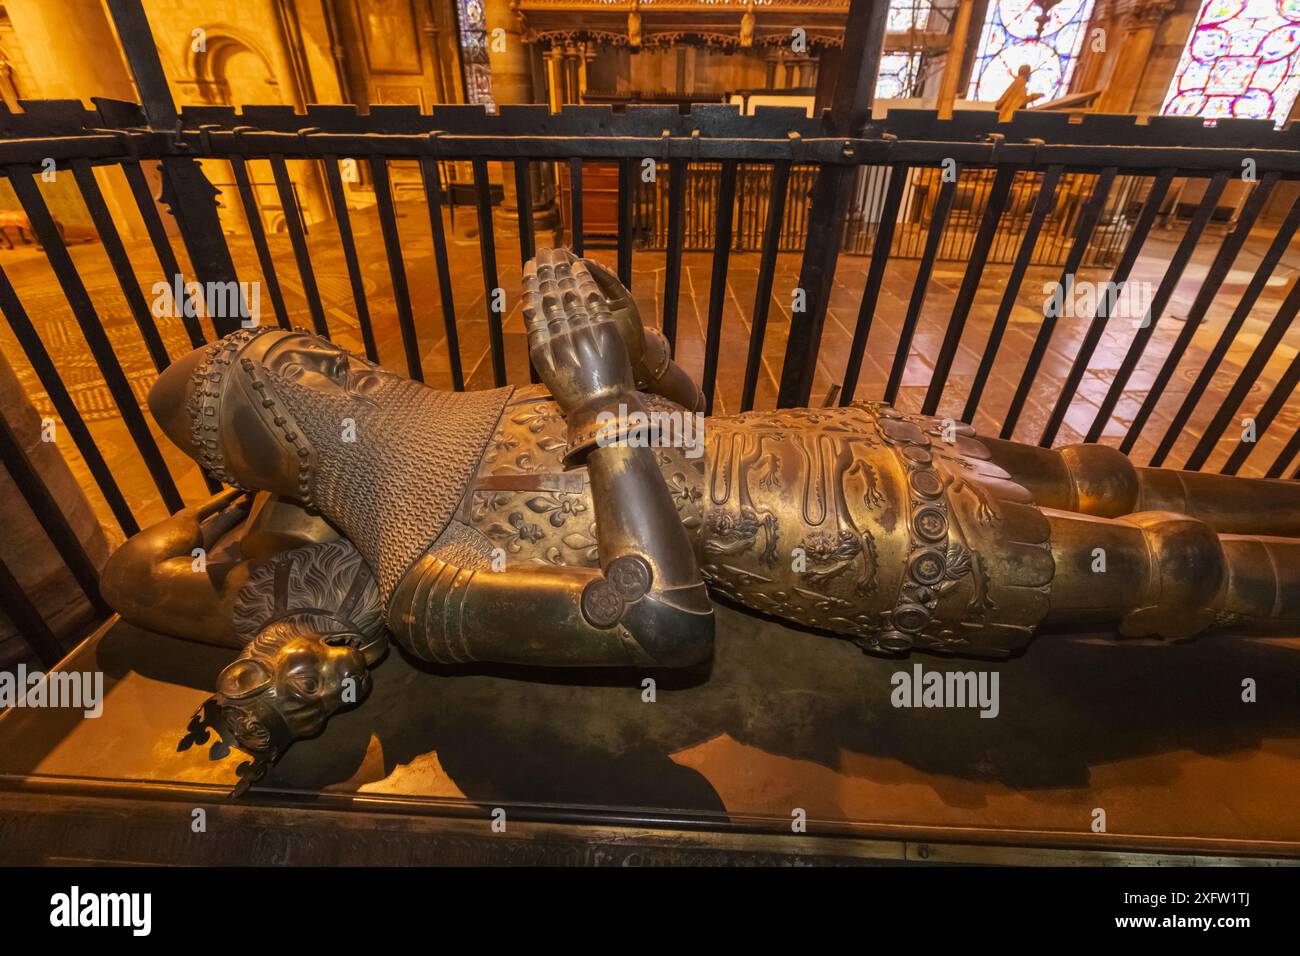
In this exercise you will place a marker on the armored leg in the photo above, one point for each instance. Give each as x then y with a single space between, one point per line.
1161 574
1099 480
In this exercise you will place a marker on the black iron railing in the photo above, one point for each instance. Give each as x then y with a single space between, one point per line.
652 205
652 211
1040 190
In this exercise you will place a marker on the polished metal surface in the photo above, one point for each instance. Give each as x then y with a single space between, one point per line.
547 527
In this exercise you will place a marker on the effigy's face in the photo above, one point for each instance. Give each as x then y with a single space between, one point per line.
318 364
237 405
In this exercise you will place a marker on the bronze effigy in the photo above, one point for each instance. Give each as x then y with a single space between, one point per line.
586 521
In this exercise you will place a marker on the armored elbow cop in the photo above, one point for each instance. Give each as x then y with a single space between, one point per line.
670 628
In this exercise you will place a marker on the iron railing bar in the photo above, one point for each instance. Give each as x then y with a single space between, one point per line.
575 205
101 147
626 195
141 51
527 237
1214 277
298 239
673 253
121 263
1264 349
339 199
938 220
766 274
185 189
726 207
898 174
1118 281
746 135
1277 248
1285 456
488 255
396 266
432 180
859 65
1276 400
21 324
524 200
92 328
851 98
1155 311
821 254
844 151
162 246
192 200
1082 236
253 213
51 517
27 619
996 202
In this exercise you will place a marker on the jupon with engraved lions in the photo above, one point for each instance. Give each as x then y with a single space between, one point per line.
365 508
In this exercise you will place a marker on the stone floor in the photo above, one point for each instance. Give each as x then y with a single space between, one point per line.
32 277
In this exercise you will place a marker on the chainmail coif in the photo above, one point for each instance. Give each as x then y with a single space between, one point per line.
393 489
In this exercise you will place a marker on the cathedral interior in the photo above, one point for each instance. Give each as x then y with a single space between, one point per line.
1040 225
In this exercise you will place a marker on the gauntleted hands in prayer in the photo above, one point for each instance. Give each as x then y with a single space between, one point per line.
557 282
577 347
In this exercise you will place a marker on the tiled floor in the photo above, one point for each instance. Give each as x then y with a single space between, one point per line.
36 286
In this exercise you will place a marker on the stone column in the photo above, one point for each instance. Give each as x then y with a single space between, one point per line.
75 47
569 72
74 53
1139 20
770 62
512 82
555 77
291 57
587 52
1094 66
956 54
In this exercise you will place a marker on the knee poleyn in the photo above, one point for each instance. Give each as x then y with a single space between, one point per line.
1184 580
1103 482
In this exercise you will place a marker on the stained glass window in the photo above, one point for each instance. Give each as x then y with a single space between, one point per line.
898 75
1017 32
907 15
900 70
1242 59
473 52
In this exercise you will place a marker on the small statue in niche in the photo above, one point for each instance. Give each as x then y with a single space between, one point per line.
366 507
634 25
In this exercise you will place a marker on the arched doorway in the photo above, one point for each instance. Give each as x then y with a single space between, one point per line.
230 70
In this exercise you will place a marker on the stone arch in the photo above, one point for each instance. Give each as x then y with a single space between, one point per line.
233 69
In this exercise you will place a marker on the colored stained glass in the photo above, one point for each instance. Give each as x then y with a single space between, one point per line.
1242 59
907 15
898 75
473 52
900 71
1017 32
